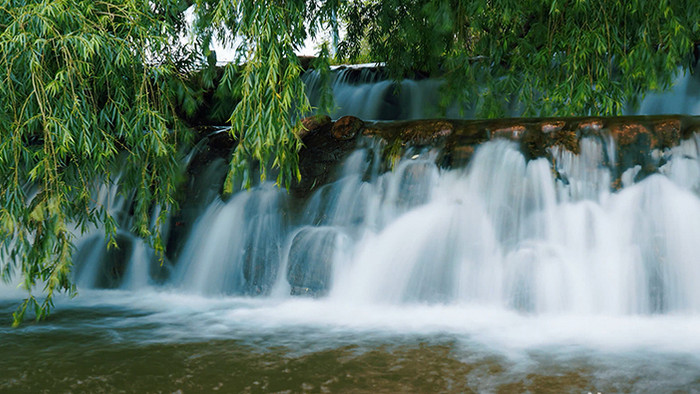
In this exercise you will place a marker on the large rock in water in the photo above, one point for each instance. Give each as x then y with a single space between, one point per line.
347 128
635 138
311 258
313 124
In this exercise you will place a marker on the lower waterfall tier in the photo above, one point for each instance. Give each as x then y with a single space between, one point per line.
566 232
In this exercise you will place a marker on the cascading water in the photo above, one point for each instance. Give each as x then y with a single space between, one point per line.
527 236
366 94
235 247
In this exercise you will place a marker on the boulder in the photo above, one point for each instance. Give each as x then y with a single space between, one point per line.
632 133
347 128
311 258
668 132
312 124
512 132
552 126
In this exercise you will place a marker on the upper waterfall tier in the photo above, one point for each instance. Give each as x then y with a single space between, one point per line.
366 93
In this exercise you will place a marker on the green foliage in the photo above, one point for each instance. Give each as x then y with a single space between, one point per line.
81 82
267 77
270 87
556 57
322 64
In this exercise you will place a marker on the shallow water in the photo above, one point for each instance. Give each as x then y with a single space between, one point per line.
157 341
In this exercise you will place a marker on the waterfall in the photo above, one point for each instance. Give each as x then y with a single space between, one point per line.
569 267
539 236
505 232
569 233
235 246
365 93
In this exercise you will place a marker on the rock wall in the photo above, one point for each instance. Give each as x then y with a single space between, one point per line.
636 139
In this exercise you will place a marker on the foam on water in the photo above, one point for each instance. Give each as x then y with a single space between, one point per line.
161 316
509 257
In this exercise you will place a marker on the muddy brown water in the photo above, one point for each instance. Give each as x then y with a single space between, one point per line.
94 346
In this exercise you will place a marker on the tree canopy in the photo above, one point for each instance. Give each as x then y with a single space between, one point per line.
95 90
554 57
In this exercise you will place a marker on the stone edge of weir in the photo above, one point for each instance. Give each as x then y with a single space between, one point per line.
327 142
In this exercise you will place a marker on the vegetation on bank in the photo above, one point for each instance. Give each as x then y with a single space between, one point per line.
84 83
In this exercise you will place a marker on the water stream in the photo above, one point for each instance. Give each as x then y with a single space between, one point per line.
507 275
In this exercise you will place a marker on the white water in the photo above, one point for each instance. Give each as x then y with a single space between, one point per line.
373 98
502 233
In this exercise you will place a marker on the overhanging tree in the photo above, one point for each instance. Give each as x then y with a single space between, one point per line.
554 57
82 82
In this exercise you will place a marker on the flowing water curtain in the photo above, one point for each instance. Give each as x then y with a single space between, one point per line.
81 82
557 57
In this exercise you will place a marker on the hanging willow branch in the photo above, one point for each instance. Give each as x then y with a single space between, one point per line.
552 57
78 87
268 80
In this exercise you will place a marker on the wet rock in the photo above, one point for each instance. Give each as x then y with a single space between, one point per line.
552 126
426 131
567 139
312 125
311 260
634 145
514 132
459 156
588 125
632 133
533 142
668 132
413 132
319 159
326 144
347 128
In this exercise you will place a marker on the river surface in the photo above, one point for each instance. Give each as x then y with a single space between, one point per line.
159 341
